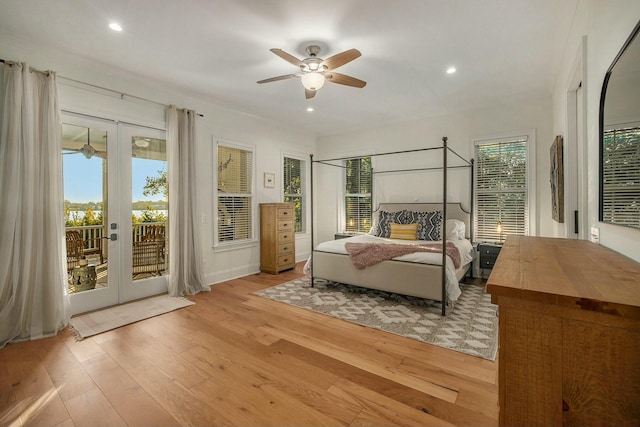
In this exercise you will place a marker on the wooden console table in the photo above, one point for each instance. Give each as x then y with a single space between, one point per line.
569 316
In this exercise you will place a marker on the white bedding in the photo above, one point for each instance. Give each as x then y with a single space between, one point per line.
453 288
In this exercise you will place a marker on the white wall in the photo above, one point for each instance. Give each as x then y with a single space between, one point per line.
270 139
606 25
461 129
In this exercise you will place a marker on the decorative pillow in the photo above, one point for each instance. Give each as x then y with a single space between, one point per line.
455 229
429 225
384 223
403 231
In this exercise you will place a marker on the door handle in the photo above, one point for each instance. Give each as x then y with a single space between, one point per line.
113 237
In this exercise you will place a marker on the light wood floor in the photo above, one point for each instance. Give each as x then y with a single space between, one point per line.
238 359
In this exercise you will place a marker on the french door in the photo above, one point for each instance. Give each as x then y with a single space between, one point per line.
116 212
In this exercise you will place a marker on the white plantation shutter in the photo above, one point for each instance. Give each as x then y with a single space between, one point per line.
621 177
358 202
235 194
501 189
293 183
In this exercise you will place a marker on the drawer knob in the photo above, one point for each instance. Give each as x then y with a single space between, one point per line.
285 248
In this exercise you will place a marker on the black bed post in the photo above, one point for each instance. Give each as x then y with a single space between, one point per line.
311 208
444 224
471 204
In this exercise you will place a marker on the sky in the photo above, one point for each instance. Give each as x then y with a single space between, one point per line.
83 178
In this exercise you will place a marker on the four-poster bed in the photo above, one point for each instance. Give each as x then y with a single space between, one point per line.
426 275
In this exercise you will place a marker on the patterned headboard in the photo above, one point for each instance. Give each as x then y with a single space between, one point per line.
454 211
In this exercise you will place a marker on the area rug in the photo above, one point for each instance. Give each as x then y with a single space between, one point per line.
470 326
96 322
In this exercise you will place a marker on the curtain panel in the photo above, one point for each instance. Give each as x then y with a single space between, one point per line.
34 301
185 264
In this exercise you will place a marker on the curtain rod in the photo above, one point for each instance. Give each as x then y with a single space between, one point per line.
122 94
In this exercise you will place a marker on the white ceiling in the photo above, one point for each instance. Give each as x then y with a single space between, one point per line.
503 49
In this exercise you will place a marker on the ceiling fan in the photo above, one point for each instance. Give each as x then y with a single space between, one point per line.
315 71
87 149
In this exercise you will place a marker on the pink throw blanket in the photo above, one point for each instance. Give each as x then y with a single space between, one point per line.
364 254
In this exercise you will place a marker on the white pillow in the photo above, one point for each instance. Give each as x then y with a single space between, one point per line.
455 229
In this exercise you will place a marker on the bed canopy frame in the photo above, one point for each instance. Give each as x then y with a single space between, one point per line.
444 167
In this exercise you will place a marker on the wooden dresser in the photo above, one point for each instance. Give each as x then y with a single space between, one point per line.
277 237
569 315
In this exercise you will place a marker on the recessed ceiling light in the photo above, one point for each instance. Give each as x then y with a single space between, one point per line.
115 26
451 70
309 109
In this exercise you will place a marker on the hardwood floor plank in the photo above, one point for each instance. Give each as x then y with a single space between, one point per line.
134 405
93 409
381 410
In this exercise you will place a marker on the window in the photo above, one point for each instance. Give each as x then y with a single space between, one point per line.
235 194
293 184
502 200
621 176
357 201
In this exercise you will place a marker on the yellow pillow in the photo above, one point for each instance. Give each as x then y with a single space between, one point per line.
403 231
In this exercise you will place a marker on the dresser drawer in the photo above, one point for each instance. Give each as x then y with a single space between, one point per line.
285 261
285 237
285 248
285 225
488 261
284 212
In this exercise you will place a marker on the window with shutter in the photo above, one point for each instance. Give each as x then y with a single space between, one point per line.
621 176
235 194
293 185
501 193
358 202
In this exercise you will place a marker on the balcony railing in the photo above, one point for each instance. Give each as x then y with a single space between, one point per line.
92 236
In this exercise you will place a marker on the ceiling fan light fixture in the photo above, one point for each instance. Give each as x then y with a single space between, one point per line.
312 81
141 142
88 151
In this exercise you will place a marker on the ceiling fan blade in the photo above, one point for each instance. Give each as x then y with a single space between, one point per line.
344 80
287 57
275 79
309 93
340 59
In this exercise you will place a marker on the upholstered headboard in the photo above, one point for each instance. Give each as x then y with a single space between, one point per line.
454 211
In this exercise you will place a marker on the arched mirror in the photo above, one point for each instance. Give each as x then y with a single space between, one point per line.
620 137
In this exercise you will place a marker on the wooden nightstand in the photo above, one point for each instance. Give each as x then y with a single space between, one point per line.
488 255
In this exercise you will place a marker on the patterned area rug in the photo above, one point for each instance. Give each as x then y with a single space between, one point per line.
470 326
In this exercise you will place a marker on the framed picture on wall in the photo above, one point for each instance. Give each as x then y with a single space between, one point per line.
269 180
557 180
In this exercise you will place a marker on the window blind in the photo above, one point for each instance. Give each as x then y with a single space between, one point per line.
293 176
358 201
621 176
235 194
501 205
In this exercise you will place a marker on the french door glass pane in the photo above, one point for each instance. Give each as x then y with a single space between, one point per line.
149 207
84 154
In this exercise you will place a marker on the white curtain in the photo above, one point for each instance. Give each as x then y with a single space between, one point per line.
33 295
185 267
